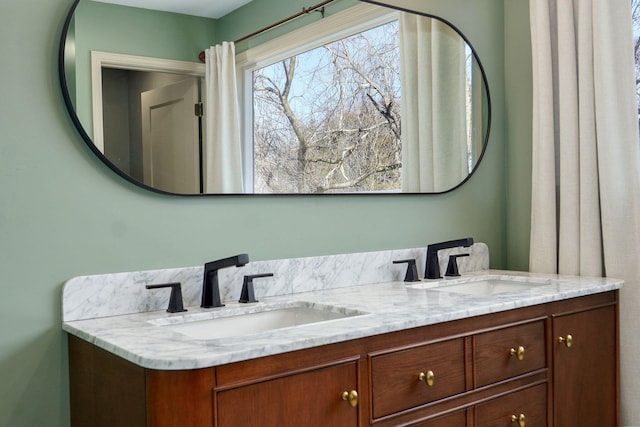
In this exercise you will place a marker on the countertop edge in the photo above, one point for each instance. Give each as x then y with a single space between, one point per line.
203 354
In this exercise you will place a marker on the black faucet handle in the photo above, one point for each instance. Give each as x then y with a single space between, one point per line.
452 266
248 295
412 270
175 299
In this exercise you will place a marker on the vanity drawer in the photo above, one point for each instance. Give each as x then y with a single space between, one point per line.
525 407
410 377
509 352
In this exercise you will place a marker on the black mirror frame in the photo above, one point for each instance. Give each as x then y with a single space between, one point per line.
87 139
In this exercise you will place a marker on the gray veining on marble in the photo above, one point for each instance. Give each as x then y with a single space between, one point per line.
106 295
391 306
117 313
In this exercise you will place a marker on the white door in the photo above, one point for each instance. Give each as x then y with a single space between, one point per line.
170 138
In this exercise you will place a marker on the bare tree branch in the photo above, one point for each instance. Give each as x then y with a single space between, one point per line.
333 126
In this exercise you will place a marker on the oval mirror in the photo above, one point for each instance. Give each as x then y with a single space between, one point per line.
363 99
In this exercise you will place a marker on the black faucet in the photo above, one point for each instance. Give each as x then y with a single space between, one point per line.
432 269
210 286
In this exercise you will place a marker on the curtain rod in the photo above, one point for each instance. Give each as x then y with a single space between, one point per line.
305 11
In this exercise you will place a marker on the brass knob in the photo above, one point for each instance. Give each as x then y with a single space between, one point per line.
568 340
351 396
520 419
429 378
518 353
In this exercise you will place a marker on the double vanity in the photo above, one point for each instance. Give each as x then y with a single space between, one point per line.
345 341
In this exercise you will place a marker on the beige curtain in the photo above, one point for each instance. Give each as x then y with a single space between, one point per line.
222 148
434 140
586 163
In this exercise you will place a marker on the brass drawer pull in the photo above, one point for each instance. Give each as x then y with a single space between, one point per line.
428 378
568 341
520 419
351 396
519 352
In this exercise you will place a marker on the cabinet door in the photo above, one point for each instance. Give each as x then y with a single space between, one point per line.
585 356
526 407
312 398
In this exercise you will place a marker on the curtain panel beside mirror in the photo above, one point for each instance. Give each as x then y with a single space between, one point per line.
434 141
223 147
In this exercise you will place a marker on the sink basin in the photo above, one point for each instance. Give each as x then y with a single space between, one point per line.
483 285
234 322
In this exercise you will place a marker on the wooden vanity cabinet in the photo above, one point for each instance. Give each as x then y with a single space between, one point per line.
491 364
519 408
507 352
469 372
106 390
458 418
312 397
585 374
408 377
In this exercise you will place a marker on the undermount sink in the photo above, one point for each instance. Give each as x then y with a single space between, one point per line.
483 285
235 322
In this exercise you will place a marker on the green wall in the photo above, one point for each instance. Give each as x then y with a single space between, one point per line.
518 95
63 213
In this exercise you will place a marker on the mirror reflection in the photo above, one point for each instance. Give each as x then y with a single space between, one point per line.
364 100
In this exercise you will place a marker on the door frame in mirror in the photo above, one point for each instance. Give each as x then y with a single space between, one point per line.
74 116
100 60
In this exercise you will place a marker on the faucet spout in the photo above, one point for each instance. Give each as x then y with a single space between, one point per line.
210 285
432 268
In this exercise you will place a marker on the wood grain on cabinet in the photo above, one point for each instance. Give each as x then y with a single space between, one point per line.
108 391
455 419
179 398
585 374
395 375
310 398
509 351
528 407
105 390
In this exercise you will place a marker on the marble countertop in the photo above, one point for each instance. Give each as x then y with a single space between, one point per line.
390 306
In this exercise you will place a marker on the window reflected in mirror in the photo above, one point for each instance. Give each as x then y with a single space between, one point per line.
330 119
